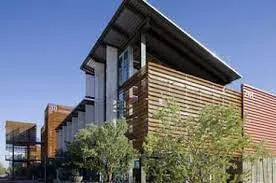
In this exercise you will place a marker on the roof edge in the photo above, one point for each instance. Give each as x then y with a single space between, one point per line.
82 67
194 39
260 90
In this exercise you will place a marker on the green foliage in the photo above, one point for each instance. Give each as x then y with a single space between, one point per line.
198 149
103 148
2 169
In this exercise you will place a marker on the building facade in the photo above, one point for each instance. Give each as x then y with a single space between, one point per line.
141 59
53 116
21 144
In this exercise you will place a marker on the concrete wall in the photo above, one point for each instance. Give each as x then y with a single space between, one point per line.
90 85
89 116
111 82
81 119
64 137
69 128
74 126
99 92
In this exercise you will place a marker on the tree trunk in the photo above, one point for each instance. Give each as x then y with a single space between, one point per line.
110 177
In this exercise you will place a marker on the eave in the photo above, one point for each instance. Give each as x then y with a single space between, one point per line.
133 16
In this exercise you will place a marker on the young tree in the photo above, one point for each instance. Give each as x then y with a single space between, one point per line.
198 149
103 148
2 169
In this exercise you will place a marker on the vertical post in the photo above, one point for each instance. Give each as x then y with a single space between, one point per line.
143 50
65 128
89 115
99 92
143 63
90 85
111 82
63 138
13 154
28 155
74 127
69 129
142 171
81 117
45 169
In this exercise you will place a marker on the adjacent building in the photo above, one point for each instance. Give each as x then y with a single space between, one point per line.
80 116
53 116
21 144
141 59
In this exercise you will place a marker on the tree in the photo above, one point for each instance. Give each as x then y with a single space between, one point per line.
198 149
2 169
103 148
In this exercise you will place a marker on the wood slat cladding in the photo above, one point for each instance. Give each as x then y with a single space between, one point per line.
147 90
54 115
259 111
191 93
135 95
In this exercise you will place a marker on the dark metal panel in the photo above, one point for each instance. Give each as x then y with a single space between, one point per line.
128 20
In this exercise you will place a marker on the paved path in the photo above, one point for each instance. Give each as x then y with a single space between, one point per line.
17 181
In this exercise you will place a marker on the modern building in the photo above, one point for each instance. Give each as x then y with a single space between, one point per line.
141 59
22 145
53 116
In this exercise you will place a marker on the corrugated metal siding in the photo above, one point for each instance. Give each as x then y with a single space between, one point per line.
259 110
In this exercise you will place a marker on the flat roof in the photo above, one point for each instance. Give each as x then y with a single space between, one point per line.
129 19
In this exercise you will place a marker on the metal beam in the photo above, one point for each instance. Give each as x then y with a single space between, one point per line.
143 49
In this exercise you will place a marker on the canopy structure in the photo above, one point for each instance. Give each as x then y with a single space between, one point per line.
164 39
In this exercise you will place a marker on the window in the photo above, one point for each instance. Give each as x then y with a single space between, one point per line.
121 111
123 67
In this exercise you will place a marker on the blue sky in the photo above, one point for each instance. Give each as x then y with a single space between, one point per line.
42 44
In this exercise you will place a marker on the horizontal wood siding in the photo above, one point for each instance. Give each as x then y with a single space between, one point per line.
136 93
54 115
191 93
259 110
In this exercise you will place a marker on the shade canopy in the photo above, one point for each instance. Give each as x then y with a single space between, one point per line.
165 39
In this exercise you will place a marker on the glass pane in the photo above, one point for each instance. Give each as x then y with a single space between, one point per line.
121 105
123 67
120 71
126 66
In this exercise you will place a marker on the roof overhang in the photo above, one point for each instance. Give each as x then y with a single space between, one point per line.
134 16
74 113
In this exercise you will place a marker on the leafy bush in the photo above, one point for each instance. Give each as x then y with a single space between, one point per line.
198 149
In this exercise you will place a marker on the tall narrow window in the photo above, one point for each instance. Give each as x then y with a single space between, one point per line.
122 105
120 73
123 67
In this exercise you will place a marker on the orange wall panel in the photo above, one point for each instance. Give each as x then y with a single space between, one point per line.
259 111
54 115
